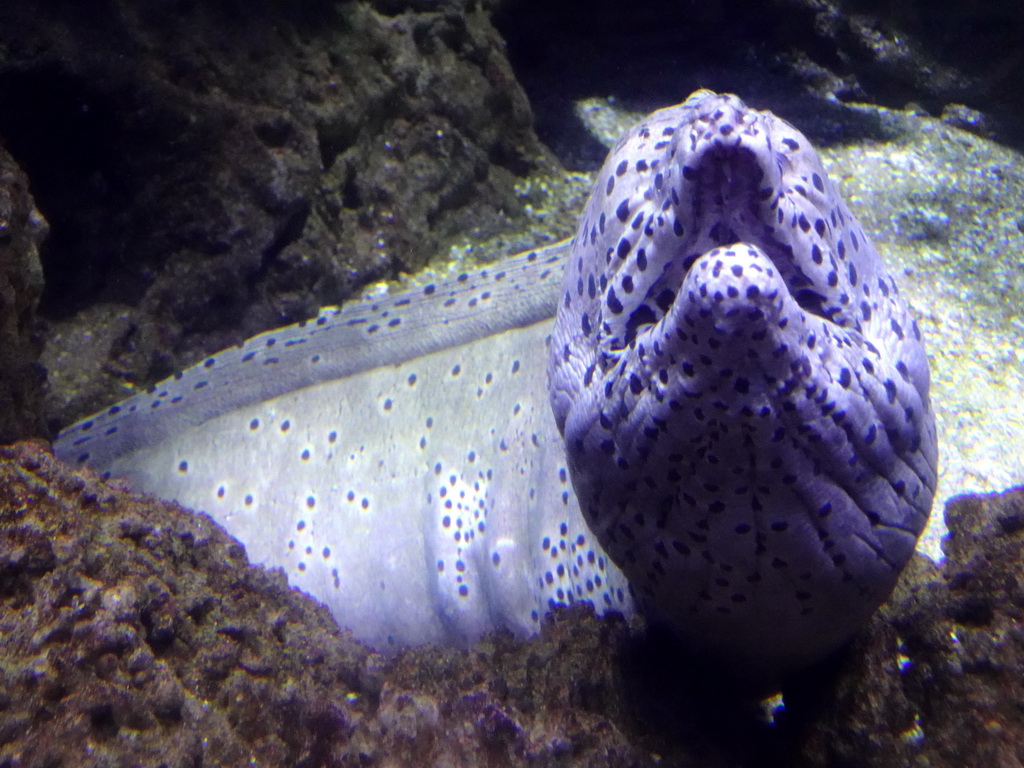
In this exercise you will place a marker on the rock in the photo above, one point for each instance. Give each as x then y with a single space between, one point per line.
929 52
22 230
222 170
936 679
136 632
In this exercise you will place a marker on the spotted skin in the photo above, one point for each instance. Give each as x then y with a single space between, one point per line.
400 460
742 391
360 336
427 501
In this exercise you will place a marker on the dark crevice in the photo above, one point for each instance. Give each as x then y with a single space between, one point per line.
648 57
333 138
68 144
654 54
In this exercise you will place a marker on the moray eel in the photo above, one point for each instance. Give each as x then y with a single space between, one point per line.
742 394
742 391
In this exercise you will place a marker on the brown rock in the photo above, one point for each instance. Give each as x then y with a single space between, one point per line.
136 633
937 679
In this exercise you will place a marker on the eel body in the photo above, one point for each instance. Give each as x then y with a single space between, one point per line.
397 458
737 394
741 388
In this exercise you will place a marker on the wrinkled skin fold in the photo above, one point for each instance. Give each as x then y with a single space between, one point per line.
742 391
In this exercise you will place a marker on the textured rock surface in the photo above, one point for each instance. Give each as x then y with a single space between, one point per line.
937 679
932 54
22 229
135 632
210 171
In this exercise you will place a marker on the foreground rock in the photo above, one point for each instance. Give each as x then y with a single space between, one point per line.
938 678
136 632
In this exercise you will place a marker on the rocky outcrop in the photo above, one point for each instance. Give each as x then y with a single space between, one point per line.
956 60
135 632
22 229
938 677
212 170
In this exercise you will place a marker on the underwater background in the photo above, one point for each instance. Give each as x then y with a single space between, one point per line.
176 177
